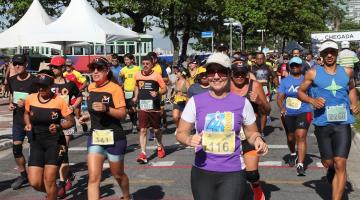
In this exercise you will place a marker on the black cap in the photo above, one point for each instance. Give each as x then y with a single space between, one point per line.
235 68
19 58
44 79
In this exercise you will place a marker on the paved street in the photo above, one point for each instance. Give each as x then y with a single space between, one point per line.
169 178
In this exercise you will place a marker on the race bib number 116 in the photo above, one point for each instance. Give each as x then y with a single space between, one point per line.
219 142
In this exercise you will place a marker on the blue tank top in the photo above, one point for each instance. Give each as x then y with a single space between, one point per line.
335 90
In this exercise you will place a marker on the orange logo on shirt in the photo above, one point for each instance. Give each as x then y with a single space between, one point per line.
54 115
141 84
105 99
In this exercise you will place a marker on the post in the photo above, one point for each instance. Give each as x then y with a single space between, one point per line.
241 41
231 39
212 43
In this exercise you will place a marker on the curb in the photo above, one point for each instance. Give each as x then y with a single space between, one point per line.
6 144
356 138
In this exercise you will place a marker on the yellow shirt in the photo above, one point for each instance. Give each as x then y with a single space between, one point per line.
157 69
128 74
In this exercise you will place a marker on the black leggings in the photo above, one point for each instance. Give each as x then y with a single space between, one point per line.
333 140
208 185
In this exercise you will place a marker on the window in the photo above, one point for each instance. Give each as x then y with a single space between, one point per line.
131 49
121 49
89 50
78 51
55 52
99 49
110 49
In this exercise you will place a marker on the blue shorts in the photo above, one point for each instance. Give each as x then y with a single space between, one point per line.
18 132
114 153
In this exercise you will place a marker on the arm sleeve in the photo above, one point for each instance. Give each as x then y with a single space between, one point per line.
189 113
64 107
248 113
118 97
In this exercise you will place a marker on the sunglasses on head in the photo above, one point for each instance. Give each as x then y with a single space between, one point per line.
18 63
220 71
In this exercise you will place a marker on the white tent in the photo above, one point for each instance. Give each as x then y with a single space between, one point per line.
18 35
82 23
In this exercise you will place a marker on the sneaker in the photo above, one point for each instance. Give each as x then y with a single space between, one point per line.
300 169
292 160
142 159
20 180
161 152
134 129
330 174
61 190
268 121
68 185
258 193
84 127
151 136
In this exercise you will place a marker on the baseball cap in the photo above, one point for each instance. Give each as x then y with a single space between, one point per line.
345 44
328 44
44 78
57 61
218 58
68 61
19 58
243 69
295 60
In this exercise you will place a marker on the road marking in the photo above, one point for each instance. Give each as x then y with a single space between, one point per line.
270 163
319 164
277 146
291 182
162 163
78 149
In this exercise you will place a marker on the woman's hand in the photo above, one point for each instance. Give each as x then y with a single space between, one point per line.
11 107
194 140
83 119
28 127
260 146
99 107
20 103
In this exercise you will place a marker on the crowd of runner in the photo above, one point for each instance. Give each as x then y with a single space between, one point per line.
220 108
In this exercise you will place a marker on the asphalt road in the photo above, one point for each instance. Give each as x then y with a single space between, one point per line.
169 178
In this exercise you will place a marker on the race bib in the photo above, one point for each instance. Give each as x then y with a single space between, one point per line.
146 104
103 137
242 134
293 103
19 95
69 131
128 95
336 113
266 91
219 142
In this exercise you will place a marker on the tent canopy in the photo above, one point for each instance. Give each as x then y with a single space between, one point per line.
82 23
18 35
293 45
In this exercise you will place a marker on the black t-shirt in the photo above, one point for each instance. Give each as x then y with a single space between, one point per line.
262 72
20 88
67 91
111 95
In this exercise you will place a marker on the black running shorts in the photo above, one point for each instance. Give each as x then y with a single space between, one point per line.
300 121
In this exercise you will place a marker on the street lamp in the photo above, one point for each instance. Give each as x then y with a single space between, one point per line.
262 35
232 23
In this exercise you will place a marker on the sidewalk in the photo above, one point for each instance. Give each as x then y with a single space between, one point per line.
354 161
5 127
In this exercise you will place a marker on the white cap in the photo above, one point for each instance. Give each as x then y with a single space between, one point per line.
219 58
345 44
328 44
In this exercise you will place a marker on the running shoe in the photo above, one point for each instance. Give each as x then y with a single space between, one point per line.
20 180
161 152
292 160
142 159
258 193
134 129
300 169
61 189
330 174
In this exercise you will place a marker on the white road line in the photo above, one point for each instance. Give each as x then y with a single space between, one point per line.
277 146
162 163
319 164
270 163
78 149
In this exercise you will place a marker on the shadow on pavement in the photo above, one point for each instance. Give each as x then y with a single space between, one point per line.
4 185
268 189
168 149
308 159
323 189
153 192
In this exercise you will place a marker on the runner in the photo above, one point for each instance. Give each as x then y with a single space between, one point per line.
346 57
194 70
149 88
43 113
116 69
201 85
180 94
67 90
80 81
334 100
297 115
265 76
218 173
243 85
128 75
20 86
107 140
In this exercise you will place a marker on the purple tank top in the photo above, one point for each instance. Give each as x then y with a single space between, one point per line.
219 115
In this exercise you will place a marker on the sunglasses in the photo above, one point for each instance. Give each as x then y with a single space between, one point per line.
99 68
238 74
56 67
294 66
18 64
220 71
